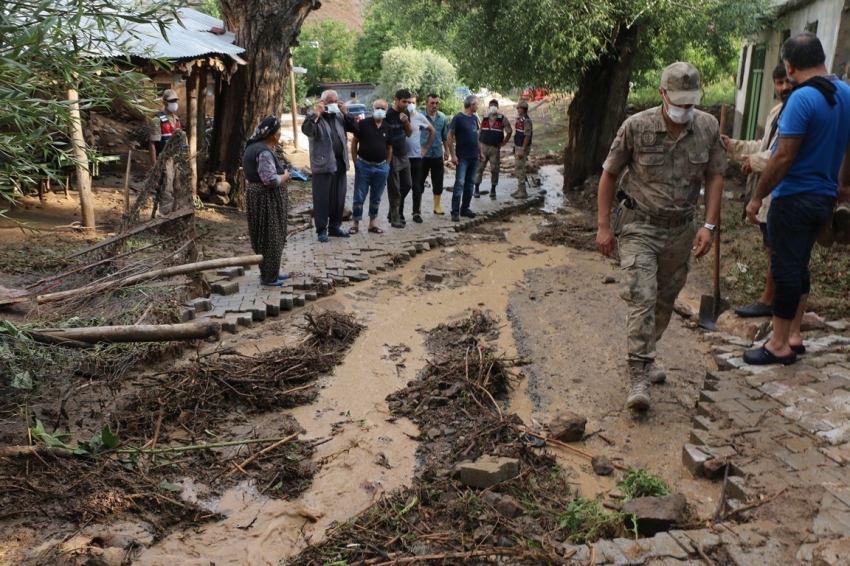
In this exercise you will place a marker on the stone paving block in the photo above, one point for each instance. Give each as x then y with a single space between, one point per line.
831 523
694 458
737 488
200 304
258 313
245 319
187 314
760 405
273 309
230 324
637 551
300 300
702 422
838 454
228 288
311 296
663 545
835 436
356 274
609 552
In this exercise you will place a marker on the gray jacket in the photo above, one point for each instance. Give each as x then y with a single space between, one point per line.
321 144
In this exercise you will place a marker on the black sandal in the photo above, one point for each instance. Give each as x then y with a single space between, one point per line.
376 230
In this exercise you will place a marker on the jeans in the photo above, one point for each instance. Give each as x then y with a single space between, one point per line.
464 183
793 225
368 179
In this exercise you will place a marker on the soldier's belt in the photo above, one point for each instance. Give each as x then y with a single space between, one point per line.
662 222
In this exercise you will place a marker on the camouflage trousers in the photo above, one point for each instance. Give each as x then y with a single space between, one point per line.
655 263
520 167
493 156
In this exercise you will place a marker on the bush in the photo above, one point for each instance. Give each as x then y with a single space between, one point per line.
422 72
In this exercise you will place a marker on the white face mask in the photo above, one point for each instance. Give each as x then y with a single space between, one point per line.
679 115
172 107
411 108
379 114
494 109
332 108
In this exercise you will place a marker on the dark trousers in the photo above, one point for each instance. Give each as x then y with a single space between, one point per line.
398 183
329 198
793 225
434 166
417 186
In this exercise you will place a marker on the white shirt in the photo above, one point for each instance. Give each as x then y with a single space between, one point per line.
418 122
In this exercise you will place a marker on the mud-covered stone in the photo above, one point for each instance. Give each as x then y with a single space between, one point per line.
488 471
656 514
508 507
602 466
567 427
832 553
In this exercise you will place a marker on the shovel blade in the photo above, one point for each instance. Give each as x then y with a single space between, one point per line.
706 312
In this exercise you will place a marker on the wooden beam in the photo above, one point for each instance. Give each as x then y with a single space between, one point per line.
137 333
192 118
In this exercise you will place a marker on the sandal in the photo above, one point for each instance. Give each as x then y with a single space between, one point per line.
376 230
762 356
354 230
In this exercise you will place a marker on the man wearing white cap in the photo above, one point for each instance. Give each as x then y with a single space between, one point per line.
666 155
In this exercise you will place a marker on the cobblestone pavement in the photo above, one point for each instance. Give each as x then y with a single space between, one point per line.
784 431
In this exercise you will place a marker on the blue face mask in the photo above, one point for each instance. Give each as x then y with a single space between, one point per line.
379 114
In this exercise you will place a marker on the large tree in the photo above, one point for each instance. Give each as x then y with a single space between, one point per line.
267 30
593 48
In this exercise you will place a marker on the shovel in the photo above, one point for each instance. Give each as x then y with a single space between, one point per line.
711 306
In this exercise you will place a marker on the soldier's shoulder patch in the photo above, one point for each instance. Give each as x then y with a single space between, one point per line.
616 143
621 131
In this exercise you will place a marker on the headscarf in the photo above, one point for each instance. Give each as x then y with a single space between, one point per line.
268 126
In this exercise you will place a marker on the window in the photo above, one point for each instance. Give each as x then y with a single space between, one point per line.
812 27
742 67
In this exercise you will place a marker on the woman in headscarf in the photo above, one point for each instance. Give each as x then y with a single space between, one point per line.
267 199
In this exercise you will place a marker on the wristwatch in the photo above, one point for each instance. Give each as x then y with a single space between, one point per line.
710 227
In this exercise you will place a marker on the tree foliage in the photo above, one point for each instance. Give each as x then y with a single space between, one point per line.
422 72
47 47
326 49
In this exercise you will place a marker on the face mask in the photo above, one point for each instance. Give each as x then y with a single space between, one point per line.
332 108
679 115
379 113
411 108
172 107
494 109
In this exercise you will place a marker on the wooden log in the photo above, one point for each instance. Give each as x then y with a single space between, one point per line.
35 451
166 272
140 333
58 341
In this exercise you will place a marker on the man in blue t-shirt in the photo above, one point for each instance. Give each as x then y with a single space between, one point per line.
804 176
463 146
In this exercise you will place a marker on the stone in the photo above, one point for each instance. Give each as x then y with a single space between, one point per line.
602 466
694 459
228 288
684 309
200 304
656 514
832 553
812 321
287 302
432 277
838 325
508 507
488 471
714 468
747 328
608 278
187 314
567 427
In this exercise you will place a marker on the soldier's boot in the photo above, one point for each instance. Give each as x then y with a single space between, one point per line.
437 209
638 398
521 192
493 192
477 193
655 373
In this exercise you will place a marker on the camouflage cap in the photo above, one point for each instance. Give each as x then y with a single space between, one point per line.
169 95
682 84
522 104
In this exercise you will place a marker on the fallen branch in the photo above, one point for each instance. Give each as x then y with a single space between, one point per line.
167 272
133 333
281 442
57 341
753 505
197 446
35 452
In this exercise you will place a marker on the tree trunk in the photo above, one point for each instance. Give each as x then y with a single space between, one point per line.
83 166
266 29
598 108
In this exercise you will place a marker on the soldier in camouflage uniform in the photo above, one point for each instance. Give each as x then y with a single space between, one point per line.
665 155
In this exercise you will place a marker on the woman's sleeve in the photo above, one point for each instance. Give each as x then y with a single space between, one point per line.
267 169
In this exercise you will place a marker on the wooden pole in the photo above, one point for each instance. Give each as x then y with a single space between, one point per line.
202 123
192 115
167 272
137 333
716 311
78 144
293 104
127 183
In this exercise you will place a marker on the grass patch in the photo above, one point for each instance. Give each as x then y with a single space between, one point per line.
640 482
587 521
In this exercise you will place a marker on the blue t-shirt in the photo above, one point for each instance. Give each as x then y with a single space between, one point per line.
466 135
826 130
442 127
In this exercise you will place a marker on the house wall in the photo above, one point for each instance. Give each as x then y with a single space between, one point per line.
833 31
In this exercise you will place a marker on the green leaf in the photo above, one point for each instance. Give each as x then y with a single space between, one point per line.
171 486
110 440
53 440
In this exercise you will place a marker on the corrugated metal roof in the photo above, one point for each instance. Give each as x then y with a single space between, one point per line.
191 40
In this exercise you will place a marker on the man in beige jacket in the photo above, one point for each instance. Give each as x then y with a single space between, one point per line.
754 155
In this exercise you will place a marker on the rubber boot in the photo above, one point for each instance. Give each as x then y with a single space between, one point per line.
638 398
477 193
655 374
493 192
437 209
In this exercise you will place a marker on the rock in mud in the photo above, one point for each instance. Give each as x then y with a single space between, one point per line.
568 427
488 471
812 321
433 277
747 328
832 553
714 469
608 278
508 507
656 514
602 466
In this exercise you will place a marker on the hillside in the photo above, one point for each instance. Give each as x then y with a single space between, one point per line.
350 12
